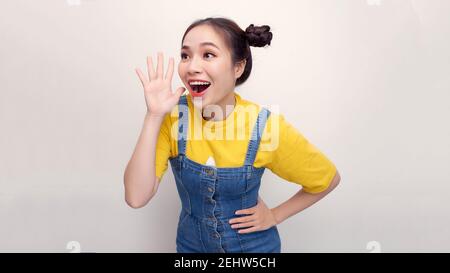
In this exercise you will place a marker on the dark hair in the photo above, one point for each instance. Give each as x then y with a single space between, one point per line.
237 40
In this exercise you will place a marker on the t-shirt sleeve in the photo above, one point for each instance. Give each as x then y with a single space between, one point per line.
297 160
163 148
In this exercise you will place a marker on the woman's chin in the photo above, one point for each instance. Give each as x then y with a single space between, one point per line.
200 102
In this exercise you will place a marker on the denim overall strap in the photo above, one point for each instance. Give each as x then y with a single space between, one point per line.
183 122
255 139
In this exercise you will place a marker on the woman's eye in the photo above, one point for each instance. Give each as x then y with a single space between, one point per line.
183 55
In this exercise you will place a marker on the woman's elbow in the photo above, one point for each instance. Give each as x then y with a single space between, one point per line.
136 201
336 180
135 204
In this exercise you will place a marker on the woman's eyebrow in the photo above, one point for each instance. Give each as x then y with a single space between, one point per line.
202 44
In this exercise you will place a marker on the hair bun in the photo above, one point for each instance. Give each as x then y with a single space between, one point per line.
258 36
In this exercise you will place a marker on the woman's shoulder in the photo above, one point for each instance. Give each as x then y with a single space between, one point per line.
247 105
272 110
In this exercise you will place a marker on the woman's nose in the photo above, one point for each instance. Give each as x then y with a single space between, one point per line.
194 65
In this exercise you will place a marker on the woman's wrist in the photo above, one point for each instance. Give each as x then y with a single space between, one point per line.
153 116
276 215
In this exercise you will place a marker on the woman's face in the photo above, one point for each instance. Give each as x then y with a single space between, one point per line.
205 57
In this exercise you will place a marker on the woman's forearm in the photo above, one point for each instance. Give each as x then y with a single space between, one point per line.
139 177
301 200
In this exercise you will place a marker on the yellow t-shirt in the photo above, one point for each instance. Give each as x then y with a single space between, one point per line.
283 149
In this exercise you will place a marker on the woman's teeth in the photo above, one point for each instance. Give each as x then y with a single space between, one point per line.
199 83
199 86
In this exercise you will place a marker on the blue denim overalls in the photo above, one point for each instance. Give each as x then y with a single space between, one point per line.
210 196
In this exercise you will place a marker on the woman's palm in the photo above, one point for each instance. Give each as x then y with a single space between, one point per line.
158 89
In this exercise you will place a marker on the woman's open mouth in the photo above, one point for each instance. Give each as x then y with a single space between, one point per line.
198 88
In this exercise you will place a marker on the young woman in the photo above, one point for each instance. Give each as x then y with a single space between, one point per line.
217 177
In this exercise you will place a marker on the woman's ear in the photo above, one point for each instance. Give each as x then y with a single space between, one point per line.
239 68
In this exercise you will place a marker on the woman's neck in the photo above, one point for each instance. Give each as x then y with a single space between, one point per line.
225 103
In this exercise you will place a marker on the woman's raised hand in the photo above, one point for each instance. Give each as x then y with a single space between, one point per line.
157 88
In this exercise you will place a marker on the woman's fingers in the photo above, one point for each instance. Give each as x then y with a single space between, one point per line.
248 230
242 219
159 73
151 71
141 77
160 66
242 225
169 73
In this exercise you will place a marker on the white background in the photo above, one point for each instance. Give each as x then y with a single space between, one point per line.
366 81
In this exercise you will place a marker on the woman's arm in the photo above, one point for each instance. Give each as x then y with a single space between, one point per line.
260 217
140 180
302 200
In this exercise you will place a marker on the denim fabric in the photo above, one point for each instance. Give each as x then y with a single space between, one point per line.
210 196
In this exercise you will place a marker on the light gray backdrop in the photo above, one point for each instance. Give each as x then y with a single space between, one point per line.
366 81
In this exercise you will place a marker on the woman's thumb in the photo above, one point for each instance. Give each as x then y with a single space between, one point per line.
180 91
